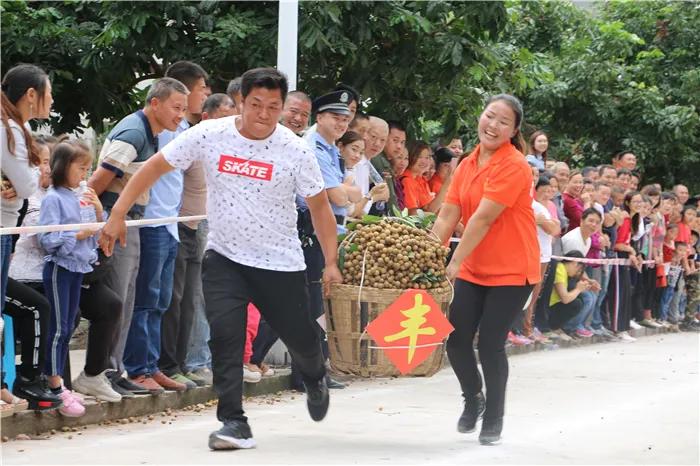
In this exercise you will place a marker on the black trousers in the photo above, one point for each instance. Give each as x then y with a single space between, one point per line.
102 308
283 302
561 313
177 322
29 310
620 298
542 311
490 310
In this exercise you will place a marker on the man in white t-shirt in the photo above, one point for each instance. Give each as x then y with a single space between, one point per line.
254 169
579 239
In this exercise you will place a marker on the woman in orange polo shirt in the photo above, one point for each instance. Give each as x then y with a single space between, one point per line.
416 191
496 263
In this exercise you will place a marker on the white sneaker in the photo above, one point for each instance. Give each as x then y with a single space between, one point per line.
634 325
251 376
97 386
626 337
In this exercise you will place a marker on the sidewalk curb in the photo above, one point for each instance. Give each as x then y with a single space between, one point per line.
34 423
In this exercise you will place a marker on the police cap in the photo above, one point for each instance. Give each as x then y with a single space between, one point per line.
336 102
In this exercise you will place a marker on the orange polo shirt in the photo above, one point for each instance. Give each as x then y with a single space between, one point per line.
416 191
509 254
435 183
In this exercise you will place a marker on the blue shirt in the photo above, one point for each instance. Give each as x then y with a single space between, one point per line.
61 206
328 156
536 161
166 193
128 146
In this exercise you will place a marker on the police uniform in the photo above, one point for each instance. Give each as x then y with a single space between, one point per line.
330 162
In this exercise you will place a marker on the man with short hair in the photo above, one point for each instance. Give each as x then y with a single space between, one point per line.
360 124
130 144
608 174
197 365
233 90
255 168
164 307
681 191
590 173
624 176
377 137
332 119
561 173
296 112
629 161
218 106
579 239
396 142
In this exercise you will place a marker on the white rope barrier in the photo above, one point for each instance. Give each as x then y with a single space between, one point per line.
96 226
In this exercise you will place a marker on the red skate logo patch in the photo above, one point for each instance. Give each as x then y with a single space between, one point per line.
248 168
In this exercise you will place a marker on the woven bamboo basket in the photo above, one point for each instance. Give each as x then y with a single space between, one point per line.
346 319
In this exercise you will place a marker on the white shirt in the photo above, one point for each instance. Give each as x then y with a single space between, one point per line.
27 264
362 179
544 238
252 185
573 241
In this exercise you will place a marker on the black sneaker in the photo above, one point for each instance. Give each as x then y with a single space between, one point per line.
37 393
474 407
126 384
334 384
234 435
122 391
491 431
317 399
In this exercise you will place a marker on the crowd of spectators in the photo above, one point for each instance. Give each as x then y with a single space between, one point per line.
147 326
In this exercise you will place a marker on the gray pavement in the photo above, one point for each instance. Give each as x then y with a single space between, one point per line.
603 404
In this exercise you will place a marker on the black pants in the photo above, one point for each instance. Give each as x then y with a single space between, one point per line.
102 308
283 302
542 311
490 310
187 283
620 298
561 313
29 310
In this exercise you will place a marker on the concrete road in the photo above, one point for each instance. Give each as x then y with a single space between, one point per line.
610 403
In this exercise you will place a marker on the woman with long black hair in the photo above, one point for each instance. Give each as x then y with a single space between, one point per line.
496 263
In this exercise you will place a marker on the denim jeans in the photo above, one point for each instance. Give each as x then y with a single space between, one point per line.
666 298
187 287
579 320
198 352
154 286
597 320
676 311
6 246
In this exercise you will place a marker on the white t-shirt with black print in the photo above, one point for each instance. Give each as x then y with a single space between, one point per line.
251 187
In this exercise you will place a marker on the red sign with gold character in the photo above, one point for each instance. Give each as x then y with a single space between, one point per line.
410 329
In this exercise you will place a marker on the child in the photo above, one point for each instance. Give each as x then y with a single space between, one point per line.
69 255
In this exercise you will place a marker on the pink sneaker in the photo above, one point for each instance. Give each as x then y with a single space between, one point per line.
518 340
582 332
71 406
78 398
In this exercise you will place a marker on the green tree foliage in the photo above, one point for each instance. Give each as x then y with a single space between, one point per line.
625 77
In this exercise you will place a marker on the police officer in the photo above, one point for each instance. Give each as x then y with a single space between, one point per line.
332 118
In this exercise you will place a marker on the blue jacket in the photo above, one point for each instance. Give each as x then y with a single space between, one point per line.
60 207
